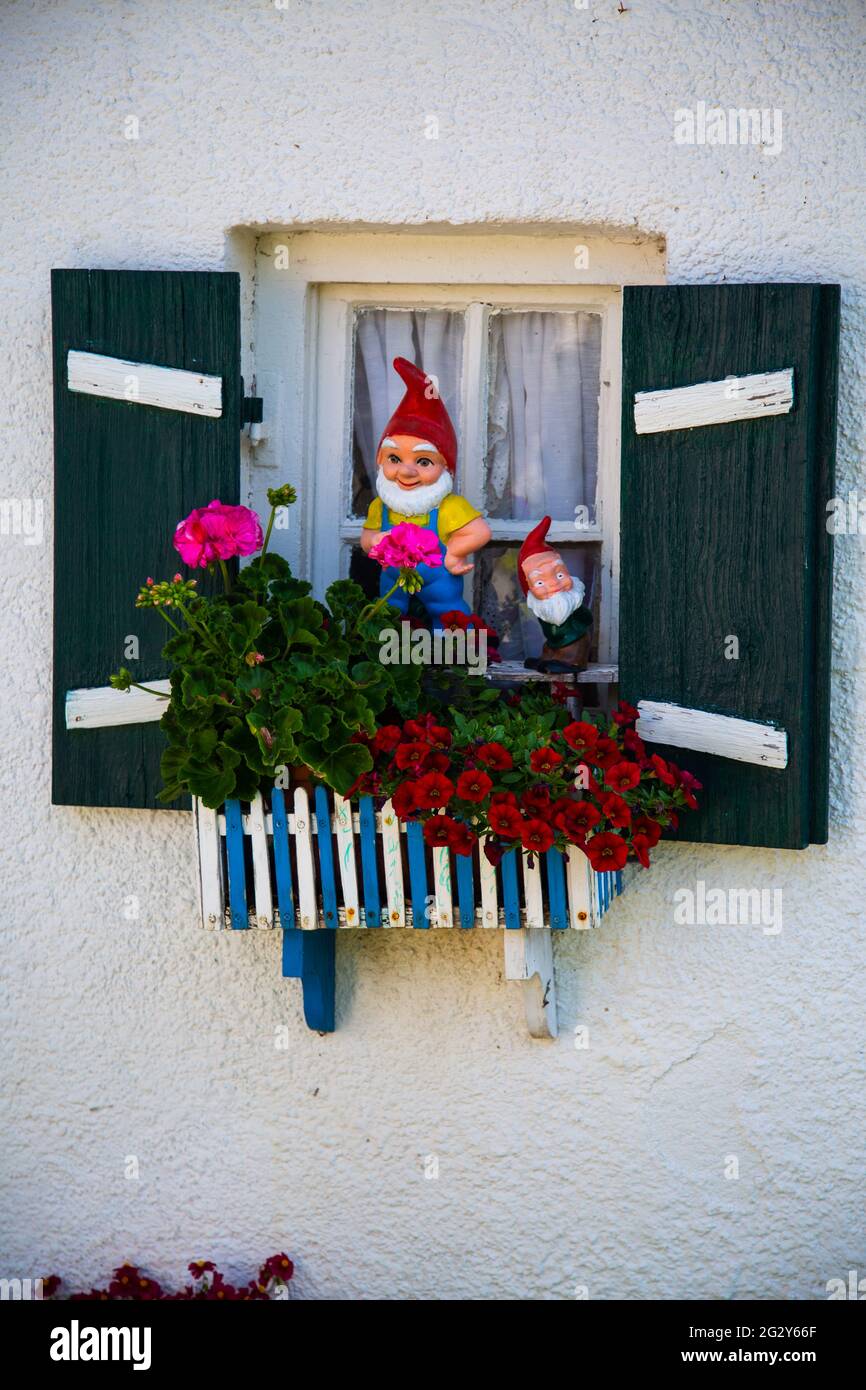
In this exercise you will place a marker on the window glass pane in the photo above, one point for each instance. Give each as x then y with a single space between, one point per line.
542 414
433 340
499 599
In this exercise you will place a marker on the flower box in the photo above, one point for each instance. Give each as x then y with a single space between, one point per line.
265 867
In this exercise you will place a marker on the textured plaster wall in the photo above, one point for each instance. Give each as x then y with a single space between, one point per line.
149 1038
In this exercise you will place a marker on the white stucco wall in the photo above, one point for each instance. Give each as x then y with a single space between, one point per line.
557 1167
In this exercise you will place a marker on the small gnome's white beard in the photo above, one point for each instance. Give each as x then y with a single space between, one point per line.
416 501
559 607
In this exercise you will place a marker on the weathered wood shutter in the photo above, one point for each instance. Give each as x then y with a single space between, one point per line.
724 535
126 471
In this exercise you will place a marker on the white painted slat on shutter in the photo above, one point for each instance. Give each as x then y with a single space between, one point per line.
103 707
344 822
714 402
393 867
141 383
212 897
743 740
306 872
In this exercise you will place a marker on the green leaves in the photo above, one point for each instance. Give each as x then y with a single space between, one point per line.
265 676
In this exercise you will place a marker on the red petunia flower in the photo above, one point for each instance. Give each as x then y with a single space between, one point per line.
432 791
581 735
560 693
411 755
607 753
544 760
473 786
645 825
625 714
387 738
537 836
437 761
426 730
537 800
577 820
662 771
503 799
634 743
622 776
641 846
607 851
494 756
463 840
616 810
455 620
403 800
505 820
439 830
277 1267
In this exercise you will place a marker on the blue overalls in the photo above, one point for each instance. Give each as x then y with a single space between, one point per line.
442 592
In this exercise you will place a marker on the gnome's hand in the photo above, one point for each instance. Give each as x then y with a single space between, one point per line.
457 564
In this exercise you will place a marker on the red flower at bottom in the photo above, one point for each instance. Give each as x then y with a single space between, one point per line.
607 851
439 830
537 835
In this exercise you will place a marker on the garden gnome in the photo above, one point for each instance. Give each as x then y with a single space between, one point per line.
556 599
415 465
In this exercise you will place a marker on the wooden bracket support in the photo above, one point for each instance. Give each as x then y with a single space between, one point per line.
529 959
309 956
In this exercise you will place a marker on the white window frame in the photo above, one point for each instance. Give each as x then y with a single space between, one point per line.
297 341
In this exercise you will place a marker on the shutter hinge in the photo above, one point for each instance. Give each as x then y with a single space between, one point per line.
252 414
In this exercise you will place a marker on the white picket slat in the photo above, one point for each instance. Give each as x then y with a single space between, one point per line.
489 896
211 879
262 886
390 827
580 889
532 891
442 884
344 824
306 873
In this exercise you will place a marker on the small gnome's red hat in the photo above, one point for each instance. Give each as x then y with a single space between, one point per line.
421 412
533 545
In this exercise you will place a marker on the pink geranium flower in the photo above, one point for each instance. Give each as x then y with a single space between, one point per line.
217 532
406 546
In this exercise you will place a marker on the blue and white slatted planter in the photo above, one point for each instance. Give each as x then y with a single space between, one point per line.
315 864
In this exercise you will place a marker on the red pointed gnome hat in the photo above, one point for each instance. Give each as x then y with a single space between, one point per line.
533 545
422 413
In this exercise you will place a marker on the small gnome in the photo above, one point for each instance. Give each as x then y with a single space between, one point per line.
416 461
556 599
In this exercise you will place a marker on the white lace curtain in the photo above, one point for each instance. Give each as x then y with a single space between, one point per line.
542 415
432 338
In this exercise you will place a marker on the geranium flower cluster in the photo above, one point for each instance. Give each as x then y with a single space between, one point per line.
128 1284
544 782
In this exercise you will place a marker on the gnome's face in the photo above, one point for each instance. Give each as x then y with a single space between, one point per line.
410 462
547 575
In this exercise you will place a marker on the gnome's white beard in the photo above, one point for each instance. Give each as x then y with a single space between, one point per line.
415 501
559 607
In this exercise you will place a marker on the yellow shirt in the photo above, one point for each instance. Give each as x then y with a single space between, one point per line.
454 513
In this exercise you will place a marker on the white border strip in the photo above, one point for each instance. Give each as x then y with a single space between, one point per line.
170 388
714 402
103 707
740 739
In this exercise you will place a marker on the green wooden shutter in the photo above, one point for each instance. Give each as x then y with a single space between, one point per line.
125 473
723 533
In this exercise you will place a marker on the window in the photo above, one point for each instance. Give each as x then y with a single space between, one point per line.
530 377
